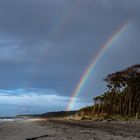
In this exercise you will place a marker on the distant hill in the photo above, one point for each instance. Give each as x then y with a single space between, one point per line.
57 114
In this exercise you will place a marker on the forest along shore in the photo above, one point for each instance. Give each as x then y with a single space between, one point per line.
68 130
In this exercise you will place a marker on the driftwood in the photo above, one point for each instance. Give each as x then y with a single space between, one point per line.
37 137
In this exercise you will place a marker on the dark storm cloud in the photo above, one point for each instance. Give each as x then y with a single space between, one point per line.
49 44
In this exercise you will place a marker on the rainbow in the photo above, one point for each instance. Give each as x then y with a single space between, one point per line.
109 43
57 30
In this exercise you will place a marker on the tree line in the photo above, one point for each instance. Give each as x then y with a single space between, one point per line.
122 95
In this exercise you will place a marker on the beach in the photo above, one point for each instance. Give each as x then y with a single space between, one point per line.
43 129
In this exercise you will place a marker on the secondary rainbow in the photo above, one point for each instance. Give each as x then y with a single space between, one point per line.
57 30
109 43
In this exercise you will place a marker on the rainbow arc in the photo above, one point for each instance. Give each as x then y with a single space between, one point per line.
84 78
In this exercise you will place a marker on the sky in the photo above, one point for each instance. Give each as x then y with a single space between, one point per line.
46 46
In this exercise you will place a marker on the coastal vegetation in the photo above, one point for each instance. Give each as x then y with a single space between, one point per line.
122 97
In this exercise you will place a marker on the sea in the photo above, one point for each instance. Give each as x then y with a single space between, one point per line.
10 119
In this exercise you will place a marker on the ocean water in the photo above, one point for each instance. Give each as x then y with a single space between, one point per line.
4 119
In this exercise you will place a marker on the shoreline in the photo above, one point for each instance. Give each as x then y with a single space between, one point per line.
52 129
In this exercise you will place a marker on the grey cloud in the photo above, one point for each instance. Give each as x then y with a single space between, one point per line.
22 51
49 44
33 101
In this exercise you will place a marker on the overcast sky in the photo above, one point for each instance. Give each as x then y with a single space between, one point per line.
46 45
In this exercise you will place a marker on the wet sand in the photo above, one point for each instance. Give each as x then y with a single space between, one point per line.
68 130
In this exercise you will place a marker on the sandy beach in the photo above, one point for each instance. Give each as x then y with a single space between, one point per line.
68 130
